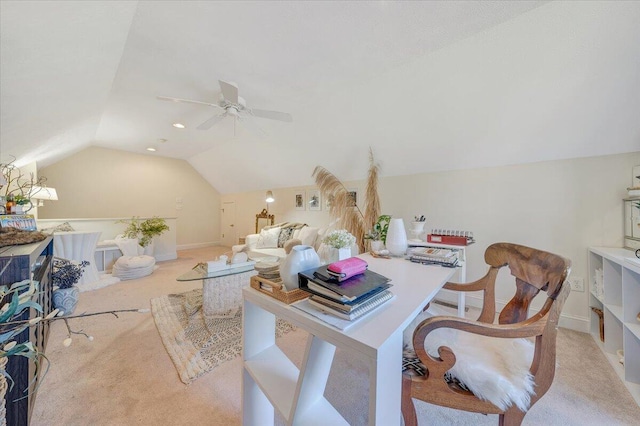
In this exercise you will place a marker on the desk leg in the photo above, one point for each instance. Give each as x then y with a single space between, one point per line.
461 303
385 383
259 328
256 408
314 373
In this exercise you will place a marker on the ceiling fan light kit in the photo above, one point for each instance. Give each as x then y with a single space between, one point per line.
233 106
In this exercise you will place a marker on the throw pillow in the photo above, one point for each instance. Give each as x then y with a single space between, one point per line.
268 238
308 236
285 235
494 369
128 246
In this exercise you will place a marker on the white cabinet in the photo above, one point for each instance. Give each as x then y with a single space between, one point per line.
614 283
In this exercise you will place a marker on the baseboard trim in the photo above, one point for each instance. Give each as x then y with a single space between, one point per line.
197 245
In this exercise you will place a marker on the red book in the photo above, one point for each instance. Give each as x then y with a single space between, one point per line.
447 239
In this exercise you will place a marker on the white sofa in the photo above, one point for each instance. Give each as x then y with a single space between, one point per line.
270 243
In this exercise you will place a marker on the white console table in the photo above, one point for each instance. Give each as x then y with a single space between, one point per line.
270 379
462 268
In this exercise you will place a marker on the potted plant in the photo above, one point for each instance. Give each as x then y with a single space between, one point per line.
378 234
144 231
339 243
65 276
23 204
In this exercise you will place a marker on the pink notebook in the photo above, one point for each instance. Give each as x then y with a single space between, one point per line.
347 268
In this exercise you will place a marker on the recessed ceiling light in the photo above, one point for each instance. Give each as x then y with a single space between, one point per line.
178 125
151 149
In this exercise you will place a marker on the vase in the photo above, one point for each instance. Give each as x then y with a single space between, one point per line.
336 254
66 299
396 238
300 258
149 249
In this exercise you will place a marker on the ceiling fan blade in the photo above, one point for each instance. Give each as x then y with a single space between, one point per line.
187 101
229 91
248 124
211 122
273 115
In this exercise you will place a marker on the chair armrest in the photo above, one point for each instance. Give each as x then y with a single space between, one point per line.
487 285
478 285
251 240
532 327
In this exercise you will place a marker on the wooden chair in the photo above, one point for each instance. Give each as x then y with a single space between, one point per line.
534 270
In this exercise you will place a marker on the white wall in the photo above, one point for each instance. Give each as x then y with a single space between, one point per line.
103 183
558 82
561 206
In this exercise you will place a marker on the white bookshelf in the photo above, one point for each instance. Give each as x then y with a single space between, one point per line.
620 304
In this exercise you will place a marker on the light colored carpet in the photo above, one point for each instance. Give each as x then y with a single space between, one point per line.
197 344
126 377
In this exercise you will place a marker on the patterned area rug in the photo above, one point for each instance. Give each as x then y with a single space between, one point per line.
195 343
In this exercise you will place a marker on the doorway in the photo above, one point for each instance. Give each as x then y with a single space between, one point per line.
228 229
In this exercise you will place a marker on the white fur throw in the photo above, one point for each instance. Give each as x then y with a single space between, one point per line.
494 369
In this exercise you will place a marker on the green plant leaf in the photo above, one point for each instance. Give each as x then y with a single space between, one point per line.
13 305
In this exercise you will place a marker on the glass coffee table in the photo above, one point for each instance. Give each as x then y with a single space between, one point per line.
221 290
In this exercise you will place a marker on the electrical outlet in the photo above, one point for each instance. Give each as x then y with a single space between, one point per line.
577 283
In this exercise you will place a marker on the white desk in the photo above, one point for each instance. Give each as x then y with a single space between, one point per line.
271 380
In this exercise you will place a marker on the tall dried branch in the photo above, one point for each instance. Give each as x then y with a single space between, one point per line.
372 201
17 183
342 206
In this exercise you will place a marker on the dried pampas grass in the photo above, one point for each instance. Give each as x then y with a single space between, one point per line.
342 207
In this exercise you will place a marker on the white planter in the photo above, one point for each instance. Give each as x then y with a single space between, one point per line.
396 238
332 254
66 299
149 249
417 228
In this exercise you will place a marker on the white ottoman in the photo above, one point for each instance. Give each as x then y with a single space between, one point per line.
132 267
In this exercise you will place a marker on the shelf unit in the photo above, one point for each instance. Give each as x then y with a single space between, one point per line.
462 269
28 261
619 270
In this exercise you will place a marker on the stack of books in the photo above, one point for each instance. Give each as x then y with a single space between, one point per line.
348 299
434 256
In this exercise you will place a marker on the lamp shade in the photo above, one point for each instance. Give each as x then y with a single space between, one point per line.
43 193
270 198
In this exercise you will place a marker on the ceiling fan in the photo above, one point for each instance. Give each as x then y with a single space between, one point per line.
234 106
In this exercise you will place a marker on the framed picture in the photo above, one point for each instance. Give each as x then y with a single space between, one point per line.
353 193
315 200
300 201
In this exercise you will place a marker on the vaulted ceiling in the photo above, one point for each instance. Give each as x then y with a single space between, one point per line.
428 86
